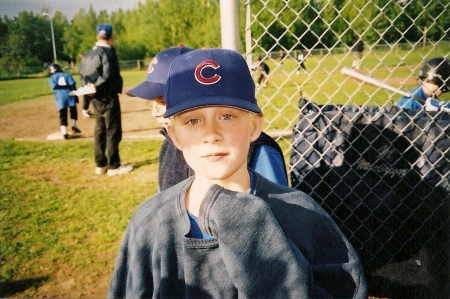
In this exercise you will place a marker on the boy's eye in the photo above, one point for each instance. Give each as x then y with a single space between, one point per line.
192 122
226 116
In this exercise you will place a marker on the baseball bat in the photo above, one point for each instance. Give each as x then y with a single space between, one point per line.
366 79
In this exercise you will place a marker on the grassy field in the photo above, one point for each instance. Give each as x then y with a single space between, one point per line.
59 220
58 217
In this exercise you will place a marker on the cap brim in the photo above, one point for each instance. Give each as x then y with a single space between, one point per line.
212 101
147 90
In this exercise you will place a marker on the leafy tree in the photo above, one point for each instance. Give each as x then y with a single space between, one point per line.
60 25
27 46
141 29
205 31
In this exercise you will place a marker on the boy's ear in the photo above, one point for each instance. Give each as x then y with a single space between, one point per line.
173 136
259 121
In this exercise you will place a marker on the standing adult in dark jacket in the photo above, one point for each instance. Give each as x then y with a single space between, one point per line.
100 66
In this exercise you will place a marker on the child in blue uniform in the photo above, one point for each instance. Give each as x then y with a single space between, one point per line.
62 84
228 232
265 155
434 79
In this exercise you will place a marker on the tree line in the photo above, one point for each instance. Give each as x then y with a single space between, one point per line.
26 40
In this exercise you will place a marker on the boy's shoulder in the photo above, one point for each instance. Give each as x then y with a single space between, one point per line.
266 188
300 216
96 50
276 195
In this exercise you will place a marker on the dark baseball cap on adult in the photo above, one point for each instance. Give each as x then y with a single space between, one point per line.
209 77
105 30
158 70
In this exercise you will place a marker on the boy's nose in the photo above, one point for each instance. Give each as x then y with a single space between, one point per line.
211 134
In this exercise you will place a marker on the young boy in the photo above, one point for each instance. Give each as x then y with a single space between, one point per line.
434 79
63 83
265 155
262 73
228 232
301 62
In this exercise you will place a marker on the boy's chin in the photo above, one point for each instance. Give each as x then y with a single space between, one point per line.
212 175
217 175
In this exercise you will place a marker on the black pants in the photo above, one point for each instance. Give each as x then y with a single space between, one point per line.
302 65
86 102
107 132
63 115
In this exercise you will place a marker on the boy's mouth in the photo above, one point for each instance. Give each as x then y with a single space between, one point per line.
214 157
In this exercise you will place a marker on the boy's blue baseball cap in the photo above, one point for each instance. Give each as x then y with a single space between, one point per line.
158 70
209 77
105 30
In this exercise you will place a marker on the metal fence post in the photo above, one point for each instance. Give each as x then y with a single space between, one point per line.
229 24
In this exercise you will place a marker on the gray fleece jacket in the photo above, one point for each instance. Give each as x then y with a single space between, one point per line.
276 243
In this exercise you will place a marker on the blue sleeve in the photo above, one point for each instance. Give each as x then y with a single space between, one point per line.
70 80
409 103
267 162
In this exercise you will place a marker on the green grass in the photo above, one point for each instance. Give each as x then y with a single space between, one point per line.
56 214
326 85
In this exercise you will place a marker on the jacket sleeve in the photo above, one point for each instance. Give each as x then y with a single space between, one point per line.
93 66
131 277
259 258
336 267
106 70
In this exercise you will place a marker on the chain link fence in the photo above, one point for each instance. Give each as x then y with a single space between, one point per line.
382 172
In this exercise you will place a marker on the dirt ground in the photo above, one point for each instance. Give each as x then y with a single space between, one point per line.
37 119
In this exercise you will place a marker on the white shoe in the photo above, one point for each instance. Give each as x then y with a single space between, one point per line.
100 170
86 113
122 169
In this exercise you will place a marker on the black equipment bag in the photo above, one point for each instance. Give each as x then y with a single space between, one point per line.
383 174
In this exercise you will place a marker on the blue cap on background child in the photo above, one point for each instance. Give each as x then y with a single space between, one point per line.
209 77
158 70
104 30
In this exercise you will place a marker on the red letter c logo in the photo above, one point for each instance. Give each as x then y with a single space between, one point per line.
199 76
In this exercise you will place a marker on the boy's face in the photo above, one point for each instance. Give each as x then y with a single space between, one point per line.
430 88
158 107
215 140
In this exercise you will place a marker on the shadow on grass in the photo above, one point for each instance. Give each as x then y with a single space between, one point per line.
145 162
9 288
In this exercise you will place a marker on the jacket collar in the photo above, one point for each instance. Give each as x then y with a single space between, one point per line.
102 44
